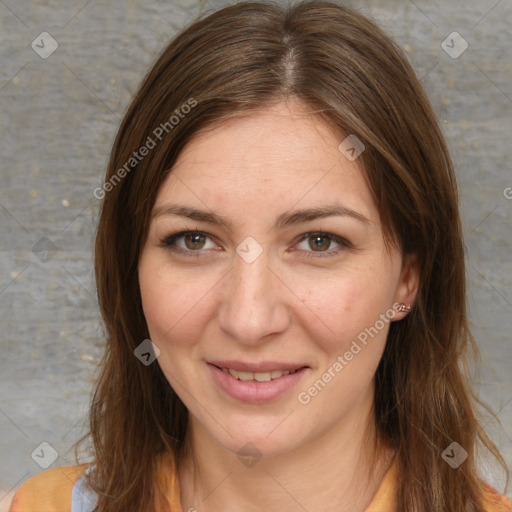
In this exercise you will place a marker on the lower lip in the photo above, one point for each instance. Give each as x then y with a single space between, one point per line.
253 391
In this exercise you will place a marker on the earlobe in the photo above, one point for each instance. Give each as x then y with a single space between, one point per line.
408 285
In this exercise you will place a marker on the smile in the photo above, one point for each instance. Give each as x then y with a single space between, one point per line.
258 376
256 387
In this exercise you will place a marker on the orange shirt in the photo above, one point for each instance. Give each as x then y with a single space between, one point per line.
60 490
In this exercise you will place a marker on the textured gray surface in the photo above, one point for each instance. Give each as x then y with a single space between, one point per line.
58 118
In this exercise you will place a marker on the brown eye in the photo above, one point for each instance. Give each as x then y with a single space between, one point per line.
190 243
319 243
194 241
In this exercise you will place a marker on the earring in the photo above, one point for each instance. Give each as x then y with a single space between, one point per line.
403 308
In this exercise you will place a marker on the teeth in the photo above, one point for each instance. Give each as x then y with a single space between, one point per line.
259 376
242 375
262 377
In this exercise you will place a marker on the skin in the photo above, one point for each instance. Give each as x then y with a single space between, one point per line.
283 306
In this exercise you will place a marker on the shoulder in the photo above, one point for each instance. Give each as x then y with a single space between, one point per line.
495 502
53 490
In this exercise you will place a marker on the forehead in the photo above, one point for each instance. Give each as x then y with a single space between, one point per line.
273 159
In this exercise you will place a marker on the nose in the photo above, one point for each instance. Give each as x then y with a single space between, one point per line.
254 302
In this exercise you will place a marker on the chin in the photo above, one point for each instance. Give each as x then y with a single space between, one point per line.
253 438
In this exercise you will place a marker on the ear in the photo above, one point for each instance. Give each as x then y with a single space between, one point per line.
408 284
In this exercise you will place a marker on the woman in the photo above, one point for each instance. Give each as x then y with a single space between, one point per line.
280 269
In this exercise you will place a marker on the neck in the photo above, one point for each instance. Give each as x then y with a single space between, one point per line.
337 472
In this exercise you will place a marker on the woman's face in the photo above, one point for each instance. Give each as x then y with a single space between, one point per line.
265 254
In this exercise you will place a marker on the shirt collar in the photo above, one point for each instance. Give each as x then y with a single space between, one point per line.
384 499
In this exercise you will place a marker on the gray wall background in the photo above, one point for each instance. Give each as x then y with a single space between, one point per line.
58 119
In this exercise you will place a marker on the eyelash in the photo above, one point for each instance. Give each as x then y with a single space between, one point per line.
169 242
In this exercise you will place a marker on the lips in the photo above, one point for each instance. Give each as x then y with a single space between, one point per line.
256 386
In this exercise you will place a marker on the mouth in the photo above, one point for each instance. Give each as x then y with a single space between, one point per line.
258 376
265 383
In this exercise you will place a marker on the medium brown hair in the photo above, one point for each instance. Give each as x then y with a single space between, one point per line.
338 63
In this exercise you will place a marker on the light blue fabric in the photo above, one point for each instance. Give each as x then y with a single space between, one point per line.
83 498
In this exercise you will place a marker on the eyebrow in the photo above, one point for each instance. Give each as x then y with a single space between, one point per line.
284 220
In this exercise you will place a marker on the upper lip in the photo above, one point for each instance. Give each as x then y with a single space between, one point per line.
263 366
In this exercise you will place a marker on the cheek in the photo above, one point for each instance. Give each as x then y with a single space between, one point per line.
351 337
348 310
174 308
173 312
158 303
